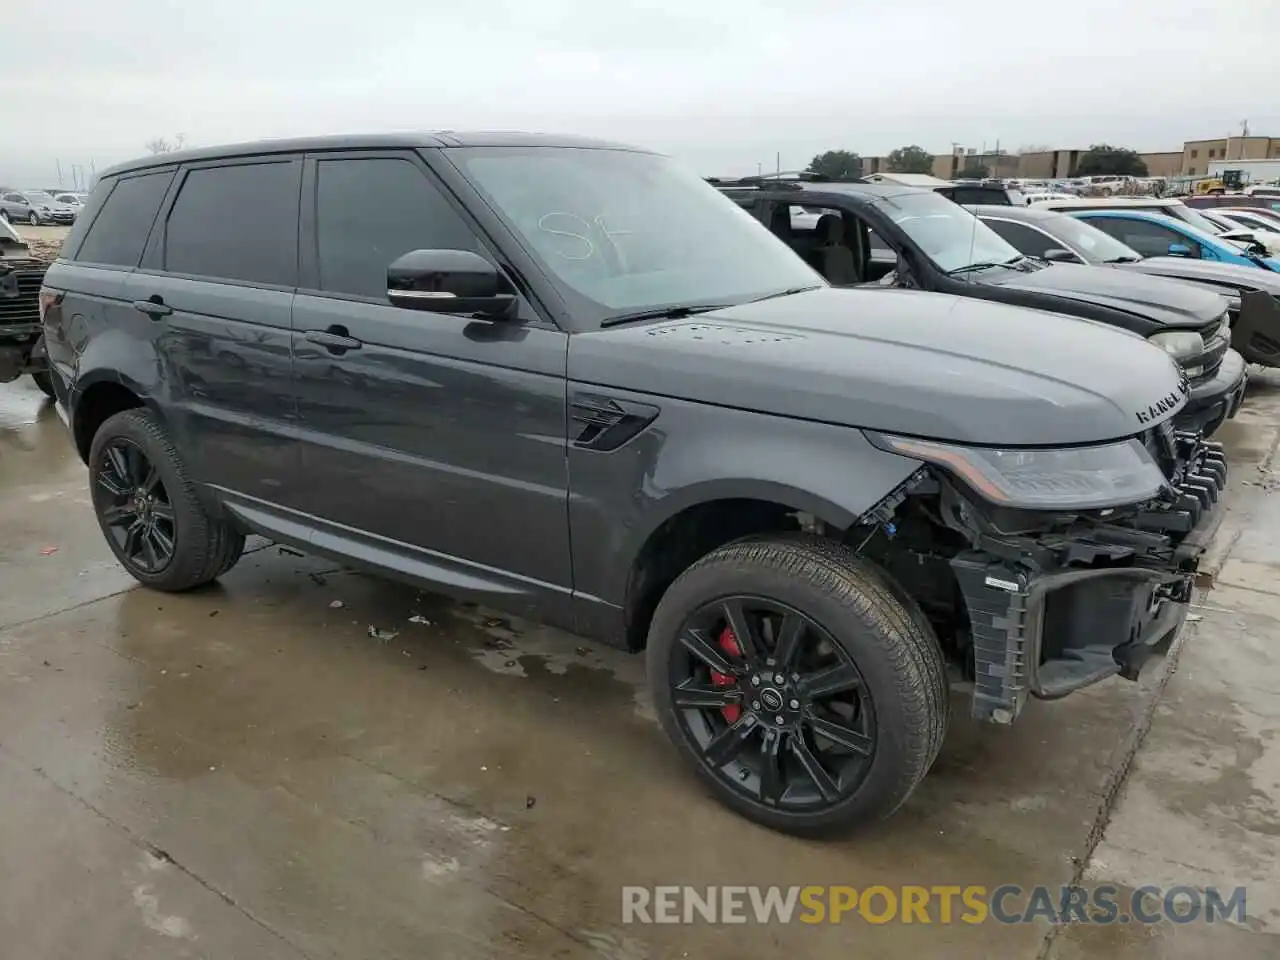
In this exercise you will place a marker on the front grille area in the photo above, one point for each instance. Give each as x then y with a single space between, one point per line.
1217 338
1161 443
20 292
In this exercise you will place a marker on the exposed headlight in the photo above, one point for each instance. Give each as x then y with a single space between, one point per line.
1179 344
1078 478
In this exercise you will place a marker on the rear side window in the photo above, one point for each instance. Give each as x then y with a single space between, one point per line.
237 223
371 211
119 232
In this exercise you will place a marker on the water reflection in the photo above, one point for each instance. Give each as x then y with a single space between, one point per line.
34 445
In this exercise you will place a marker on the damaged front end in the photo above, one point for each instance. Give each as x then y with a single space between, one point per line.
20 279
1043 602
1255 332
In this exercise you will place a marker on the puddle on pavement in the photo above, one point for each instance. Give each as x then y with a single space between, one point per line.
33 440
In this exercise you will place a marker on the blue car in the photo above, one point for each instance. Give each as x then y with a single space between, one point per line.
1157 235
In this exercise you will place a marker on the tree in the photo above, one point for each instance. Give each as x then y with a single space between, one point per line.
912 159
162 144
974 171
1102 158
836 164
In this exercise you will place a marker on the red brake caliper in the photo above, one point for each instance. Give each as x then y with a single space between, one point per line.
729 644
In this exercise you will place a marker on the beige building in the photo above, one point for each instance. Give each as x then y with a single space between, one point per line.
948 166
1048 164
1192 160
1196 154
1166 163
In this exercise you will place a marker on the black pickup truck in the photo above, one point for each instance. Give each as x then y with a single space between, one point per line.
571 380
908 237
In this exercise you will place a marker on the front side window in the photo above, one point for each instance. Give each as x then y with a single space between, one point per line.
950 236
1148 239
1028 240
1092 243
118 233
620 232
236 223
369 212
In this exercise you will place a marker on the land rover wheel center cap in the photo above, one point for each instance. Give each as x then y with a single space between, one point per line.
771 699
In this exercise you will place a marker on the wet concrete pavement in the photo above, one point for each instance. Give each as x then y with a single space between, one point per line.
246 772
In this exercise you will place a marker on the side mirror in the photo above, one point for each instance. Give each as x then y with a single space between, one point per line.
449 281
1179 250
1058 255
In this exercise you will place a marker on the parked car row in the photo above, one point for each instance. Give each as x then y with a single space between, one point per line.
900 236
571 380
37 207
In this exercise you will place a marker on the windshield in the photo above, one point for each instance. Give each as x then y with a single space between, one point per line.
38 196
1192 216
950 235
1094 245
623 232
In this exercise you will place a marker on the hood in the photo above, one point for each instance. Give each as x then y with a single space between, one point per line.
900 361
1171 305
1231 276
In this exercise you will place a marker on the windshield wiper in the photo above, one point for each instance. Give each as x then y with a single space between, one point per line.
1123 260
985 265
663 313
786 293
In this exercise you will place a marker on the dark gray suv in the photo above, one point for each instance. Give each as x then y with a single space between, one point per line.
574 381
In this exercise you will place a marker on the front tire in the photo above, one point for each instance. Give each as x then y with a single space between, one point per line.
34 219
148 509
806 694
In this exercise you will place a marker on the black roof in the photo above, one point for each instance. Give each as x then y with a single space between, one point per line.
373 141
1024 214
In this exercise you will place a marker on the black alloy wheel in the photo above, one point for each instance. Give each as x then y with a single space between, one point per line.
777 708
135 509
807 690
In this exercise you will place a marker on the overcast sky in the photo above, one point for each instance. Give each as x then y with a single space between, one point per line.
724 84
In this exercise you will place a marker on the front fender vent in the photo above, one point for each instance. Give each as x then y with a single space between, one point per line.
604 423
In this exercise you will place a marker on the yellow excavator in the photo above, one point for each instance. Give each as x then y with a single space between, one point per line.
1230 180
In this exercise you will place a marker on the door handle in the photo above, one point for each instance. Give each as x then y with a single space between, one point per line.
155 308
335 339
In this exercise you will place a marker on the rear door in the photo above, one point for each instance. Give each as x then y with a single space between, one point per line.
216 285
435 437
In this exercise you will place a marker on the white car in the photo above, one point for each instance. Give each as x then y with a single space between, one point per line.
1231 223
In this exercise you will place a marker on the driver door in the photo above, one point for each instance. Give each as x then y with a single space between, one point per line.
436 436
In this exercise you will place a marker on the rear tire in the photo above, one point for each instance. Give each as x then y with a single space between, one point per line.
148 510
847 603
44 380
4 215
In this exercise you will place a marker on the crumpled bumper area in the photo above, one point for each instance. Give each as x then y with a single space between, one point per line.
1118 595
